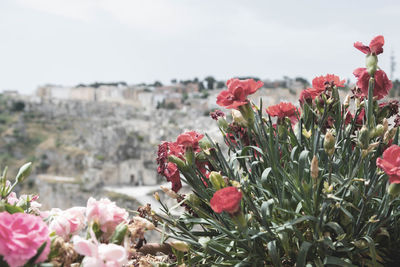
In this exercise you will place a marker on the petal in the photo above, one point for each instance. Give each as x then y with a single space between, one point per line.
84 247
112 252
363 48
376 45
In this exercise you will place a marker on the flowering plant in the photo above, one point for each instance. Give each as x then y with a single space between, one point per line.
314 186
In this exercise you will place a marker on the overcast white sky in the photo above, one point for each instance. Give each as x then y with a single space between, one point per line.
81 41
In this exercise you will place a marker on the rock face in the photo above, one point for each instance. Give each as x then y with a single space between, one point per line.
102 144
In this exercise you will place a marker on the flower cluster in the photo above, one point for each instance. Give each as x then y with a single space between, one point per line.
318 185
185 145
382 83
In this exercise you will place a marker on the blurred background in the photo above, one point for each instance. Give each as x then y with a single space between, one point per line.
91 87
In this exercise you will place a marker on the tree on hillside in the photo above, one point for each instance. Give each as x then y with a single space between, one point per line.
210 82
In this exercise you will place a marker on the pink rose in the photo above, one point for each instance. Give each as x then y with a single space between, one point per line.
105 213
21 235
100 255
68 222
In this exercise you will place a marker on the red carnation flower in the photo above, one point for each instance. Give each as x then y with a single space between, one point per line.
282 110
390 163
237 92
375 46
226 199
382 84
173 176
321 82
189 139
308 94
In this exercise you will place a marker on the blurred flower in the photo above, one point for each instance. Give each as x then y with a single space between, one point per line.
390 163
190 139
226 199
282 110
169 192
375 46
238 118
382 83
100 255
12 198
237 92
321 82
217 114
308 95
21 235
68 222
180 246
105 213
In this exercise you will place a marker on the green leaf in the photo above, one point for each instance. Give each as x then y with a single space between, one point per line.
273 253
34 258
336 227
330 260
302 163
119 234
264 175
13 209
302 256
372 250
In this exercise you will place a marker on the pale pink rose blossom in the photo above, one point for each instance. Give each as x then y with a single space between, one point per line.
105 213
100 255
21 235
66 223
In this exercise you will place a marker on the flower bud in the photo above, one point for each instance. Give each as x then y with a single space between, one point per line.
329 143
327 188
314 167
247 113
169 192
307 134
236 184
238 118
216 180
363 138
377 131
23 172
385 125
357 103
372 64
203 241
193 199
222 123
146 223
394 189
205 144
119 234
389 135
174 159
156 196
346 102
180 246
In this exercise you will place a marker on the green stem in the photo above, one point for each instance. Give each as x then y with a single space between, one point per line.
370 103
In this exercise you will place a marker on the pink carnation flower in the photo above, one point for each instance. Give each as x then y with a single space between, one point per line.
105 213
12 198
100 255
21 235
68 222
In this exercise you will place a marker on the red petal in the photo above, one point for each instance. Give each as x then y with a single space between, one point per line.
363 48
376 45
